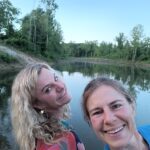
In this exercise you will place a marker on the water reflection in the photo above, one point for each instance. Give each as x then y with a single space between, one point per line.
76 77
131 76
6 139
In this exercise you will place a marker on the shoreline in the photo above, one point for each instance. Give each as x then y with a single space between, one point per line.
11 66
105 61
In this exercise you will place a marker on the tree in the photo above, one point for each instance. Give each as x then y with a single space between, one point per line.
53 32
137 35
120 40
145 48
42 31
8 15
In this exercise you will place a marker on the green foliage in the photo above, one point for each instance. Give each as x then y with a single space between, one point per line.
42 32
137 49
120 41
16 42
7 58
8 15
137 35
41 35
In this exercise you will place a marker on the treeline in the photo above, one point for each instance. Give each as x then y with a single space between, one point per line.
135 49
41 34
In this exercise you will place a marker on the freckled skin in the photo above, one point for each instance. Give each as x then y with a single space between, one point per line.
112 117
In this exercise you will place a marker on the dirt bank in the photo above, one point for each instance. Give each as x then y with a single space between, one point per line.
22 58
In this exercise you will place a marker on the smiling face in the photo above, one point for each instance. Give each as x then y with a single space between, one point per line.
50 93
111 116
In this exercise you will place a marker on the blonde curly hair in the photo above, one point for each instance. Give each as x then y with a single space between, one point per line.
28 124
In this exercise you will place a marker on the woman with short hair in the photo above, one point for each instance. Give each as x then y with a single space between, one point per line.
110 111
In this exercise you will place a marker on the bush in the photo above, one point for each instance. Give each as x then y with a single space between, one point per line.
7 58
16 42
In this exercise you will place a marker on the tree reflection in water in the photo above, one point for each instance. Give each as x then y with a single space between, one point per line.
6 138
129 75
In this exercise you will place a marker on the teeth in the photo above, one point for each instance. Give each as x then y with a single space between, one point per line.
115 131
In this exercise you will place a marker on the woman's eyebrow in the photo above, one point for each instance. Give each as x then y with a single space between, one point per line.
94 109
115 101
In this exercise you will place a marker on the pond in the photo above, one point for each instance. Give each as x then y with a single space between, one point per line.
76 76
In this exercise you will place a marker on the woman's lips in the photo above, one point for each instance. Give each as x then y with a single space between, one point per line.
114 130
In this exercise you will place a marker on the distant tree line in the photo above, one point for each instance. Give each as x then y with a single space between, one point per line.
41 34
135 49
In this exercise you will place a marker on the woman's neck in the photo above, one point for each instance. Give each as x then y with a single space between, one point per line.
137 143
57 113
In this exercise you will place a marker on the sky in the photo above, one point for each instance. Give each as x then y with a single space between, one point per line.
95 20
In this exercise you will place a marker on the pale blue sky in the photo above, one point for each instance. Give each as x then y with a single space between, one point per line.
101 20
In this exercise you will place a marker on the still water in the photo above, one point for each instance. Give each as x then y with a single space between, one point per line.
76 76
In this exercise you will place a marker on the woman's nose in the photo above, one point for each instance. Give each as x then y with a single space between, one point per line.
59 86
109 116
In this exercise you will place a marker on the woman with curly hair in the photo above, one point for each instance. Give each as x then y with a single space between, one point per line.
39 106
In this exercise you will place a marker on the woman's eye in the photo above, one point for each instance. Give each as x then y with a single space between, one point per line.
96 113
116 106
48 90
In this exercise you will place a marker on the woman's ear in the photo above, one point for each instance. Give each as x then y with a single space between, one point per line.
37 105
89 122
133 108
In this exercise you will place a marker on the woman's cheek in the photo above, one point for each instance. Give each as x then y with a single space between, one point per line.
94 121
